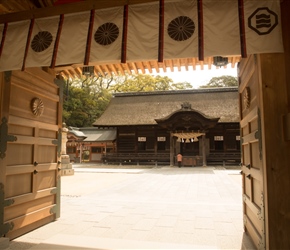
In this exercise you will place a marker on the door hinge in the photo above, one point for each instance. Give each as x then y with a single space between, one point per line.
53 210
57 142
54 191
4 137
9 202
5 228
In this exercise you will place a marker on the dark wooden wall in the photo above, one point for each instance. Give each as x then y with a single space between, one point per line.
127 141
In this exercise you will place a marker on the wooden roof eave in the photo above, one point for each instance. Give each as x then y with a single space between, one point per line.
20 14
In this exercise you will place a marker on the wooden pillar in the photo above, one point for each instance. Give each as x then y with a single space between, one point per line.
276 148
203 151
275 91
81 152
171 150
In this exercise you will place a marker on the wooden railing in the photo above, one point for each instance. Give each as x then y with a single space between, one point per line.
137 158
229 158
222 158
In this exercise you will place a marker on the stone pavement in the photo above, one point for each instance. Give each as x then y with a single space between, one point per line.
145 208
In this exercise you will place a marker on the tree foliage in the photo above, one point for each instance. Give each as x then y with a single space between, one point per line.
86 98
145 83
222 81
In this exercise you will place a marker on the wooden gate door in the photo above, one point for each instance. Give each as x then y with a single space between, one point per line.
252 161
30 151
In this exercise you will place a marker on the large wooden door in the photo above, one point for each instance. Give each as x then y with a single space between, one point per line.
252 160
30 151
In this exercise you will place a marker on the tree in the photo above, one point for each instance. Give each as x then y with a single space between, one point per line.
85 99
144 83
222 81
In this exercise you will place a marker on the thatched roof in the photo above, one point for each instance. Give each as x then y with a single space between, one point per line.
143 108
91 134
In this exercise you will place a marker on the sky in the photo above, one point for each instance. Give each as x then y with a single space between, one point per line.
198 77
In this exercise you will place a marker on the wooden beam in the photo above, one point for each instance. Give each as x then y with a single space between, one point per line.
67 8
149 67
96 72
68 73
209 62
120 68
44 3
201 65
134 68
60 68
100 70
112 66
178 64
12 6
194 63
79 71
107 69
233 61
72 73
163 65
65 74
186 64
141 67
171 65
126 66
156 66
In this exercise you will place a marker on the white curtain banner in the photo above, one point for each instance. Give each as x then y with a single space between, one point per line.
42 41
221 28
180 29
73 39
107 35
221 33
263 26
14 46
143 31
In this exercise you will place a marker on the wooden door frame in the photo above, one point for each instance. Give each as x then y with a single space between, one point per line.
275 150
274 90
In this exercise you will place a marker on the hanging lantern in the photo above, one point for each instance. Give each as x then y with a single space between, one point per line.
88 70
220 61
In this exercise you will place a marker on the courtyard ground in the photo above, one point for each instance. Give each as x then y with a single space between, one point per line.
143 207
